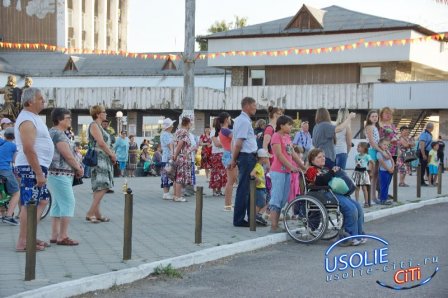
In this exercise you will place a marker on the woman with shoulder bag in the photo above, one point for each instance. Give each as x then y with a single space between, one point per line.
103 172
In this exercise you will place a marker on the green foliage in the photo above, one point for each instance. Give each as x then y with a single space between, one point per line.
221 26
167 271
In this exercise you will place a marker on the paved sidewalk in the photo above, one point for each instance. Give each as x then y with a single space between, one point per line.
162 229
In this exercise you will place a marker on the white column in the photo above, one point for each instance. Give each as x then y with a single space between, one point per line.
77 23
123 31
102 24
61 23
113 33
89 24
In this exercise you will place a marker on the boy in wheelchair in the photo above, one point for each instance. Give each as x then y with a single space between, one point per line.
318 175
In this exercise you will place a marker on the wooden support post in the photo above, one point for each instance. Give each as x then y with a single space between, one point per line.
30 265
198 215
252 213
439 180
128 213
395 184
419 181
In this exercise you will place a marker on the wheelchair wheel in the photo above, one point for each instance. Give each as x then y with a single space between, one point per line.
335 224
46 209
305 219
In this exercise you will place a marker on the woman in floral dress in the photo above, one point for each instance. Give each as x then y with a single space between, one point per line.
405 143
182 159
389 131
206 142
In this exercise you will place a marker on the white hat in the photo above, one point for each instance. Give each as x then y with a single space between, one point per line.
167 122
5 121
263 153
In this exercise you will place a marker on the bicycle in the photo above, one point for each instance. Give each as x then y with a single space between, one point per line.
5 198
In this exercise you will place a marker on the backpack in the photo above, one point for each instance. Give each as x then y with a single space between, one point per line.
259 134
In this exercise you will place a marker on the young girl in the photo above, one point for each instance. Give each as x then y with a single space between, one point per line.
386 170
317 174
294 190
373 137
281 168
433 164
360 176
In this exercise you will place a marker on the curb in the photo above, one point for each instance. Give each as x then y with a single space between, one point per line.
110 279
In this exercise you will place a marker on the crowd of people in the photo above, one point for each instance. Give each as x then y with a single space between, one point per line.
232 153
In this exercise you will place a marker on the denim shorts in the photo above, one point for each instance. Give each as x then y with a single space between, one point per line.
28 188
226 158
11 181
122 165
260 197
279 191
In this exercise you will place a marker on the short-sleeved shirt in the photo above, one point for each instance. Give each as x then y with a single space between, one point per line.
362 160
59 165
166 139
426 137
323 138
303 139
433 158
259 174
225 138
286 150
7 151
242 129
388 162
215 149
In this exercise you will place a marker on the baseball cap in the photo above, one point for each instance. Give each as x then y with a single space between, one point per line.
263 153
9 132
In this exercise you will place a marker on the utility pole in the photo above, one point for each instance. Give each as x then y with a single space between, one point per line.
188 93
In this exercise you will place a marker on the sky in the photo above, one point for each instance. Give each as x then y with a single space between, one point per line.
158 25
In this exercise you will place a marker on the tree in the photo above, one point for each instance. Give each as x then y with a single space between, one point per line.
221 26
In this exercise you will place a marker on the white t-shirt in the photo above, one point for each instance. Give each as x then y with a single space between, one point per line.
341 142
43 144
215 150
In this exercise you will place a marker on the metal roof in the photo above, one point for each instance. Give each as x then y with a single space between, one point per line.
335 19
53 63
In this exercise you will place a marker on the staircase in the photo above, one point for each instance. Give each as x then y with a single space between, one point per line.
415 120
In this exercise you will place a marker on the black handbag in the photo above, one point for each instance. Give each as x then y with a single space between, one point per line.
409 156
77 181
91 157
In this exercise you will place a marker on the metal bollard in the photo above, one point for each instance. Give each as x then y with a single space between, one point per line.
198 215
30 265
252 212
395 184
419 182
128 211
439 180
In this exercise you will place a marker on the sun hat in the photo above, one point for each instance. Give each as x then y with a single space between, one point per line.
5 121
167 122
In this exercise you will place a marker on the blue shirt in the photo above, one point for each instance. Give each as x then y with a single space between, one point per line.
303 139
166 139
426 137
7 151
242 129
362 160
388 162
121 147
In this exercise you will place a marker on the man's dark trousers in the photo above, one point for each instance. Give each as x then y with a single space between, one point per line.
246 163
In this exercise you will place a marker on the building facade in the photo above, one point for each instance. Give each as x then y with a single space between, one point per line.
77 24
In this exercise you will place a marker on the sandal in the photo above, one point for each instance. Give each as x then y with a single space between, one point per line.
92 219
38 248
42 243
68 242
366 205
228 208
103 219
53 241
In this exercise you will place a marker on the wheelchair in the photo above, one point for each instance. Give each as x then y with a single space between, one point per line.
313 215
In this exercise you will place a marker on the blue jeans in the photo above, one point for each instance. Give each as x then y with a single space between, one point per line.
384 179
246 163
353 215
341 160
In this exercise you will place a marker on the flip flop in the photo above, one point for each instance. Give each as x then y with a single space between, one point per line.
42 243
68 242
92 219
53 241
38 248
104 219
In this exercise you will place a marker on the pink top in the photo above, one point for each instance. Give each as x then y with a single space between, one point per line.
286 150
225 138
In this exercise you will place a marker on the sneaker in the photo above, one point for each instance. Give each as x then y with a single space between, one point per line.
10 220
355 242
260 220
385 203
363 240
179 199
167 196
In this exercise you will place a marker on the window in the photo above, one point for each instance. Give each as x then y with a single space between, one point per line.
370 74
152 126
257 77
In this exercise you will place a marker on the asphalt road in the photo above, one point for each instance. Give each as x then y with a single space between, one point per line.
295 270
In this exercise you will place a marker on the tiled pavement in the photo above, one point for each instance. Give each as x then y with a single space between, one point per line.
161 229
